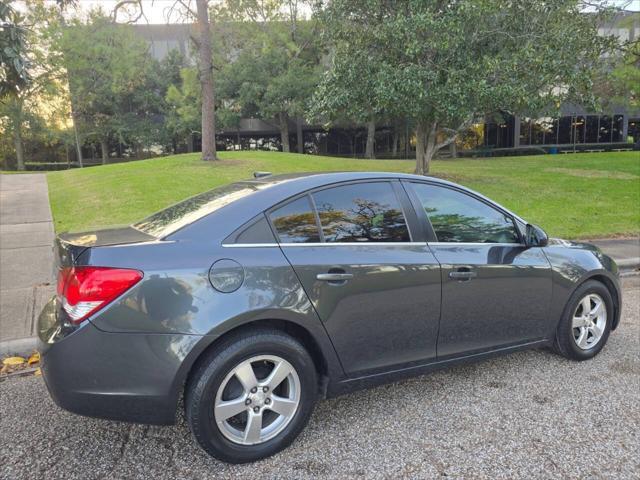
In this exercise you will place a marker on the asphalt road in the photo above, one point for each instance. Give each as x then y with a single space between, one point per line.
527 415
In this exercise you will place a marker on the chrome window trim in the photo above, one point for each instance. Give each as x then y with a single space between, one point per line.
375 244
475 244
325 244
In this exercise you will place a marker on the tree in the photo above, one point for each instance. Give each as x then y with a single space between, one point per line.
33 78
184 106
272 67
108 71
442 65
205 67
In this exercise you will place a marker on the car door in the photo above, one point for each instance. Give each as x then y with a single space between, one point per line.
495 290
375 287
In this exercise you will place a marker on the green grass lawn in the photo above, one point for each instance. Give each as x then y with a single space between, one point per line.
572 196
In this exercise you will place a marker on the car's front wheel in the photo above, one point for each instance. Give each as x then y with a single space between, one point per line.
586 323
251 396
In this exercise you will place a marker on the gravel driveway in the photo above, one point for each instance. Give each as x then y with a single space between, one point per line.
527 415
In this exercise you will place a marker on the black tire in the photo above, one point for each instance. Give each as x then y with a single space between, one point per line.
565 343
213 369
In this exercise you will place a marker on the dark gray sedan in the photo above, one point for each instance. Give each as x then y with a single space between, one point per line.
255 299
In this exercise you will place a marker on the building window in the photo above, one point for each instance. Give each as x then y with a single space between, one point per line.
565 130
605 129
492 135
617 128
591 134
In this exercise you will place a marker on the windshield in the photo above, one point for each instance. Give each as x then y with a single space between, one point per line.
173 218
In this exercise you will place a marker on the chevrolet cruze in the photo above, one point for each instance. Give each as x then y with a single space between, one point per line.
253 300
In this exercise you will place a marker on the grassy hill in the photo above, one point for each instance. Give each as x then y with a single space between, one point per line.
570 195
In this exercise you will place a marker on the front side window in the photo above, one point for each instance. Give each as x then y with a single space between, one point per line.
295 222
458 217
361 212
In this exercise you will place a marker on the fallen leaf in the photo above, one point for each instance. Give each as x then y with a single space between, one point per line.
35 358
13 361
38 372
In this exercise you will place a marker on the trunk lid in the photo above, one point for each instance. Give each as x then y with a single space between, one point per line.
69 247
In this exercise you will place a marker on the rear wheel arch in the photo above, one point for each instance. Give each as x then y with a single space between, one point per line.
293 329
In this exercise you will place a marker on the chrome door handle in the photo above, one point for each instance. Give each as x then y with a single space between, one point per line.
463 275
334 277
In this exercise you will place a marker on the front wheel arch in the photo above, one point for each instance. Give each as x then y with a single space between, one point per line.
615 295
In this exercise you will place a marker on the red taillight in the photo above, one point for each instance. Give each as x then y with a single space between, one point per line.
85 290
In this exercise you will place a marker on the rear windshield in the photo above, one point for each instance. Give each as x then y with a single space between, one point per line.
173 218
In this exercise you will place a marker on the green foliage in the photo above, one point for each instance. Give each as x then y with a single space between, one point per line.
625 78
184 102
270 60
442 64
14 63
32 110
113 89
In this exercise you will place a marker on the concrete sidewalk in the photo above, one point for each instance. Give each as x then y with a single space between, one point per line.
26 258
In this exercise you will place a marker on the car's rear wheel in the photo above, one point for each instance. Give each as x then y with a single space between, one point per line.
251 396
586 323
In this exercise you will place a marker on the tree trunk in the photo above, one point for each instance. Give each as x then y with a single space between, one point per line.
299 136
104 148
75 133
17 139
206 82
425 145
371 137
284 132
190 143
394 142
453 148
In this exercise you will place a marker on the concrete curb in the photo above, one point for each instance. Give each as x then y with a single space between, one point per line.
629 263
18 346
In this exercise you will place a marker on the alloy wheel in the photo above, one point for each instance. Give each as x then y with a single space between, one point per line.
589 321
257 399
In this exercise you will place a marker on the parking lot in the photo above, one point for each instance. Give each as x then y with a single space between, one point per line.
527 415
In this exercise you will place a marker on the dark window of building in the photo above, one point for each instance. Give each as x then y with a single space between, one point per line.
579 129
633 134
295 222
525 131
505 134
491 135
550 126
591 135
605 129
617 128
458 217
565 130
362 212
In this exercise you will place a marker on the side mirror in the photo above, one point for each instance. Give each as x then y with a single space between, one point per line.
535 236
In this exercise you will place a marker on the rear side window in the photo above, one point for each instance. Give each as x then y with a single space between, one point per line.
458 217
295 222
361 212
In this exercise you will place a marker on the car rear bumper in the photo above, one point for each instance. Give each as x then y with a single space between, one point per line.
131 377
